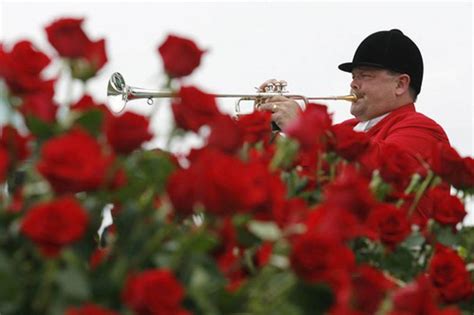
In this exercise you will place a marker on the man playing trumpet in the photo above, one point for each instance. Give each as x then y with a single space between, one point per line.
387 72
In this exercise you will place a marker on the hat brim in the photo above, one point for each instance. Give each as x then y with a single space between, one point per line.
349 66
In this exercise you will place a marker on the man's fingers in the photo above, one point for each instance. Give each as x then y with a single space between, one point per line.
272 107
262 86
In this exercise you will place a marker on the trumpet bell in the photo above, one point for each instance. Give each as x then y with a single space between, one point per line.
117 94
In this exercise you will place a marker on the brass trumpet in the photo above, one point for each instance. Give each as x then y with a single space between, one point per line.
119 93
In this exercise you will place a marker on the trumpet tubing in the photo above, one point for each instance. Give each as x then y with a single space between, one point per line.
119 93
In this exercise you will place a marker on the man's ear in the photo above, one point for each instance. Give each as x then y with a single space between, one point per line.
403 84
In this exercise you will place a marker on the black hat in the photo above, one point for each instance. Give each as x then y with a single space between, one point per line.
390 50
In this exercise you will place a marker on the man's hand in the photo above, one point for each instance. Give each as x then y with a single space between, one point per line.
283 109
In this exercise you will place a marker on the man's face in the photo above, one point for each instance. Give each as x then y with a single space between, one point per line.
376 89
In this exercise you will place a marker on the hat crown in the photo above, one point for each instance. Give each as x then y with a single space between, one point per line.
390 50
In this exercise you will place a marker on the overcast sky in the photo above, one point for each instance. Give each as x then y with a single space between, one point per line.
249 42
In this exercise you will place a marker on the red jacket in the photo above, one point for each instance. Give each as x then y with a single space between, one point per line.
408 129
411 131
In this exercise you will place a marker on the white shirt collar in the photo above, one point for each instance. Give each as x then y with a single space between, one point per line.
364 126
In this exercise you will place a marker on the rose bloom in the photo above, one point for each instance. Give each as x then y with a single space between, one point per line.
348 143
89 309
194 108
294 211
310 127
14 143
127 132
21 69
395 164
87 66
96 54
74 162
226 135
182 190
370 286
4 161
451 167
180 56
256 126
67 37
449 275
338 223
86 103
40 106
154 291
419 297
447 209
389 224
225 184
350 190
55 224
316 256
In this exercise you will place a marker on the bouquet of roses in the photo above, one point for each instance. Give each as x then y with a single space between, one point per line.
317 222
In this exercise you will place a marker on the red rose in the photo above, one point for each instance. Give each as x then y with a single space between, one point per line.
390 224
98 257
225 184
451 167
23 58
194 109
180 56
127 132
154 291
271 188
447 209
370 286
85 103
348 143
53 225
350 191
15 144
225 135
21 68
315 257
94 58
418 297
310 127
4 161
395 164
40 106
74 162
96 54
338 223
89 309
230 264
182 191
293 212
264 254
449 275
67 37
256 126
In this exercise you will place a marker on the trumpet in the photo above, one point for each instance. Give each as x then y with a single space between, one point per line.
119 94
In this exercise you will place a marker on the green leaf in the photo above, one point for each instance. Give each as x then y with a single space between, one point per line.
73 283
267 231
91 120
40 128
415 240
312 298
10 292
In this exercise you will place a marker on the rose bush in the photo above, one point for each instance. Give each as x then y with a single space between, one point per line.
317 222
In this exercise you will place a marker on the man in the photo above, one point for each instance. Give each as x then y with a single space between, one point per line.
387 72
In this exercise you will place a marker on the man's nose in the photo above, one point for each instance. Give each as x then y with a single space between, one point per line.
354 84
